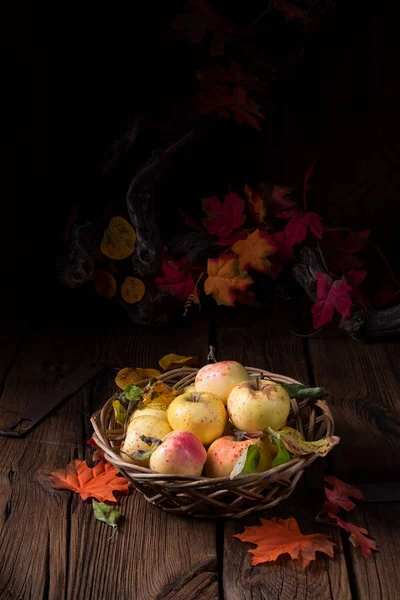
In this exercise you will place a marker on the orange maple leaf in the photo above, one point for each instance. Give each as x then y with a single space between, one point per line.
224 277
100 482
279 536
256 205
254 250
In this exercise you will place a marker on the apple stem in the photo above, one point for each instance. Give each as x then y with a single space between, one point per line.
257 383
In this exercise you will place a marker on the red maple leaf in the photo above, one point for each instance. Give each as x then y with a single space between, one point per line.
235 75
91 442
384 296
283 250
339 496
223 101
340 251
355 279
357 535
224 218
299 225
189 221
175 281
331 295
306 185
290 11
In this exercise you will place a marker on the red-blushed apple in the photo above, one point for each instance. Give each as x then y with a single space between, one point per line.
220 378
181 453
199 412
224 453
258 404
150 427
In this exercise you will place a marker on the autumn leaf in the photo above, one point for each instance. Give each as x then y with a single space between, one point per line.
120 412
279 536
283 250
224 101
339 496
129 376
280 197
306 185
290 11
384 296
132 290
104 283
223 217
300 224
91 443
254 251
99 482
118 239
189 221
175 281
235 75
175 361
296 444
158 396
255 206
339 251
224 277
105 513
331 296
357 535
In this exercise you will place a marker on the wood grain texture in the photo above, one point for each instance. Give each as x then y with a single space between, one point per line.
364 398
262 345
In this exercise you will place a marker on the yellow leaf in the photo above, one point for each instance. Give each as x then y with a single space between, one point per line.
174 361
255 205
104 283
158 396
120 412
119 239
129 376
254 250
132 290
224 277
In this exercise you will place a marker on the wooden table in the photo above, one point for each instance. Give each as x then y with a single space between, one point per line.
51 545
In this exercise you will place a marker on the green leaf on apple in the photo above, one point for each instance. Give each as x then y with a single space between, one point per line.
283 455
247 463
107 514
133 393
302 392
296 444
120 412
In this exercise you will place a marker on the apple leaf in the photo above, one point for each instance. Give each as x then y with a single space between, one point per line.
296 444
300 224
283 536
120 412
224 277
133 393
302 392
175 281
105 513
175 361
357 535
283 455
254 251
223 217
247 462
339 496
331 295
255 206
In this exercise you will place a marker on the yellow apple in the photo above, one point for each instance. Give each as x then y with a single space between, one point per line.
220 378
199 412
150 412
148 426
224 453
258 404
181 453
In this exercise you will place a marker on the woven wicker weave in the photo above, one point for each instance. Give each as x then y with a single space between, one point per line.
219 497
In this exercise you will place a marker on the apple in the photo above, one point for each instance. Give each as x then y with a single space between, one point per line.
181 453
150 412
147 425
220 378
258 404
224 453
199 412
190 388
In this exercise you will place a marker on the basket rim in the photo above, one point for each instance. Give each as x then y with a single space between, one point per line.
184 376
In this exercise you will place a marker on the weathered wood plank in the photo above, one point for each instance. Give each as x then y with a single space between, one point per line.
365 396
153 555
261 345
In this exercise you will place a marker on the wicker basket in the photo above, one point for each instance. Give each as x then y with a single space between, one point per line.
219 497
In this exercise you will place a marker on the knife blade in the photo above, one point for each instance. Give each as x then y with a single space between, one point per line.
46 403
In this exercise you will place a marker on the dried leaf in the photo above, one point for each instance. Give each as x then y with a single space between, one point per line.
302 392
175 361
331 295
223 217
118 239
224 277
278 536
357 535
132 290
300 224
105 513
175 281
100 482
158 396
120 412
296 444
283 455
104 283
255 206
339 496
247 463
129 376
254 251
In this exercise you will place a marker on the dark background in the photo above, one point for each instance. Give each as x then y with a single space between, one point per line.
73 80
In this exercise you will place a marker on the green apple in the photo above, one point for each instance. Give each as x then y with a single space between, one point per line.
150 427
220 378
258 404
